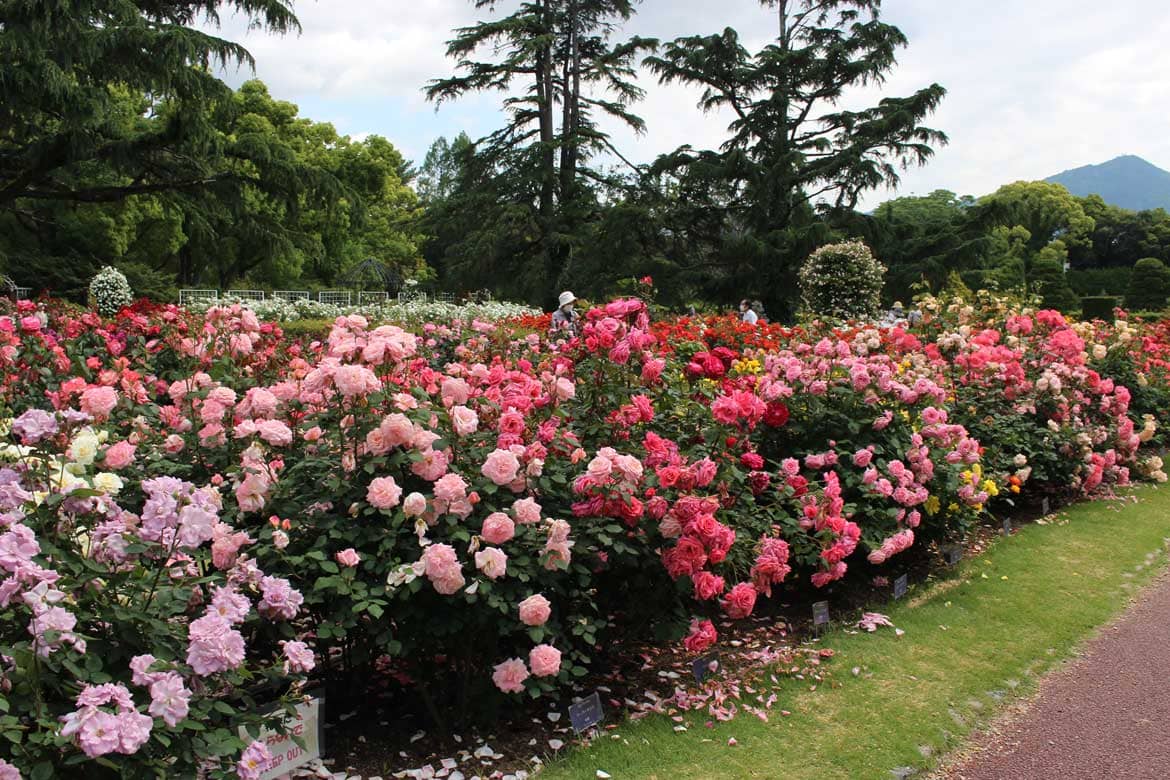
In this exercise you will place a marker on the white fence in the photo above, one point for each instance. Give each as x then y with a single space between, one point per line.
336 297
292 295
191 296
23 293
332 297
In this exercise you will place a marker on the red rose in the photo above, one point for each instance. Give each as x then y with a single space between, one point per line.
776 414
752 460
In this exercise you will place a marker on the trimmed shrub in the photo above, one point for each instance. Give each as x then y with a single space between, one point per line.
1049 282
843 281
1098 307
1098 281
110 291
1149 285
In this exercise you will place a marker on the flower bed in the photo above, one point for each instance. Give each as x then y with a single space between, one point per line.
199 511
410 313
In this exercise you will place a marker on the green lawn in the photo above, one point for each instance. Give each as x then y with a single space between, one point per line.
974 640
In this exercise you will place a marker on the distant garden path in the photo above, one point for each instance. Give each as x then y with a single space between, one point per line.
1104 715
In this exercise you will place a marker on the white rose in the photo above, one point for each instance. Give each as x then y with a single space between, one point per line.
110 484
84 447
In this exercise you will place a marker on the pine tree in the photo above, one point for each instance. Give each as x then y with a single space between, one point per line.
792 149
560 72
68 66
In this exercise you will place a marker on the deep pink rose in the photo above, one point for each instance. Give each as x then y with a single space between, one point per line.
740 601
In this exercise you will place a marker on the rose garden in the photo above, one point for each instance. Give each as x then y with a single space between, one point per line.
759 468
203 517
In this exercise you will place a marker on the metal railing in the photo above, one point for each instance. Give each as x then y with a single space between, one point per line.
191 296
336 297
292 295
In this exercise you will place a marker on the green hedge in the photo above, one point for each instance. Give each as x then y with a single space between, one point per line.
311 329
1098 307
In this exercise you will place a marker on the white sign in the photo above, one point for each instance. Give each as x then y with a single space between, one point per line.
287 755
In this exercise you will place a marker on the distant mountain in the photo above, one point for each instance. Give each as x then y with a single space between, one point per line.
1128 181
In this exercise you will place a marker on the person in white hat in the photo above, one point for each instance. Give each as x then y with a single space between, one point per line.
564 319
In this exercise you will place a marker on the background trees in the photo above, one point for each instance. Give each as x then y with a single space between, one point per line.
793 151
120 145
532 181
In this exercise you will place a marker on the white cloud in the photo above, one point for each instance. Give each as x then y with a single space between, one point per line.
1033 88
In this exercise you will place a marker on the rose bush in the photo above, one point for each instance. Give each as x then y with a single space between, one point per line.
139 634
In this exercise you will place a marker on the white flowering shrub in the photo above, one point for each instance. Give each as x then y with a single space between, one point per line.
842 281
412 312
110 291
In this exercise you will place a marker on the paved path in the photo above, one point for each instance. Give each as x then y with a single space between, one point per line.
1106 715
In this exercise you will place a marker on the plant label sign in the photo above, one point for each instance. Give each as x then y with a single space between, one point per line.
1007 526
901 585
286 753
953 553
702 667
586 713
820 614
1045 507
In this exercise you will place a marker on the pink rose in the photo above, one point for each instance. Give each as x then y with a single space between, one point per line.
455 391
384 493
355 380
707 585
348 557
510 675
740 601
99 401
120 455
414 505
498 528
702 636
465 420
442 568
545 660
275 432
501 467
535 610
526 511
492 562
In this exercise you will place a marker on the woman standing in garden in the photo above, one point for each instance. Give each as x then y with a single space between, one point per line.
747 313
564 319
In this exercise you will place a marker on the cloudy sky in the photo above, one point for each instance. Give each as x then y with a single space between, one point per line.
1034 87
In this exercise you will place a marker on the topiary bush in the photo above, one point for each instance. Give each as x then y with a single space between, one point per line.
110 291
843 281
1049 282
1149 285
